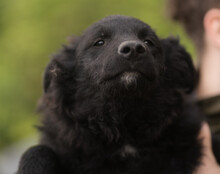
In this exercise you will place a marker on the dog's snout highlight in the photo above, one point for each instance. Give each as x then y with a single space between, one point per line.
131 49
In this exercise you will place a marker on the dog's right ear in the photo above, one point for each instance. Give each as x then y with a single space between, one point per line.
180 72
61 66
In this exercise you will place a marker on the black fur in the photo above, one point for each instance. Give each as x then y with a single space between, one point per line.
115 109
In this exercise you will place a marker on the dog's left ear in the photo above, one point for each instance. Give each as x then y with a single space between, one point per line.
179 68
61 66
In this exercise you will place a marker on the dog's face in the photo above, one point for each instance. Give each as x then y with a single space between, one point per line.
121 52
121 55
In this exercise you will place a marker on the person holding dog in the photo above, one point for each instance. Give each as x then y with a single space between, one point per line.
201 21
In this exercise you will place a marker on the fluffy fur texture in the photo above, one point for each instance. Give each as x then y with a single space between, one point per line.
116 102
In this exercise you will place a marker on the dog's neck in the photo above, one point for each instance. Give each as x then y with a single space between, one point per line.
135 117
98 120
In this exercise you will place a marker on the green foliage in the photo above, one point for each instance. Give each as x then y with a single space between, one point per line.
30 30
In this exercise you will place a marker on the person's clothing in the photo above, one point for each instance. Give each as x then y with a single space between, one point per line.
211 108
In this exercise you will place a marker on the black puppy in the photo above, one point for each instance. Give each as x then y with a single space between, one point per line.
116 102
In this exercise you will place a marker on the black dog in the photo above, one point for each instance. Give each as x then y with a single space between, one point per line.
116 102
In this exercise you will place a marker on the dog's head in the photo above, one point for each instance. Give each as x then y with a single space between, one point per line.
120 55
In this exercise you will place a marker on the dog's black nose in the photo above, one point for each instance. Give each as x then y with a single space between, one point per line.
131 49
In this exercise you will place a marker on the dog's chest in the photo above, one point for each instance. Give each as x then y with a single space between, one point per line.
158 159
165 156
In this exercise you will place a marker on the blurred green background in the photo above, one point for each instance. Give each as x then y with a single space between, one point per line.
31 30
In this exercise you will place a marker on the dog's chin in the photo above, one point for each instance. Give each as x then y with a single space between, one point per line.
130 79
128 84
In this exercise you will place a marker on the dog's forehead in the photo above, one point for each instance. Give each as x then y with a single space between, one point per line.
118 24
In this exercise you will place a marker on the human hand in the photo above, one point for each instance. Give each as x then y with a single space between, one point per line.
209 164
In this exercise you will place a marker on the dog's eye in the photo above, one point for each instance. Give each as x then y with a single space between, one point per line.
99 43
148 43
